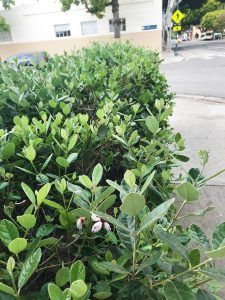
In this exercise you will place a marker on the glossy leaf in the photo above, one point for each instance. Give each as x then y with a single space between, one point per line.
218 238
17 245
152 124
43 193
130 179
29 193
77 271
28 221
214 273
55 293
78 289
8 232
62 276
97 174
179 291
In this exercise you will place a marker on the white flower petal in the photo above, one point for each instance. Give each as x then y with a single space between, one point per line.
97 227
95 218
107 226
80 223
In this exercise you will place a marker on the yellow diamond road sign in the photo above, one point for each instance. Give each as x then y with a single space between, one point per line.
177 16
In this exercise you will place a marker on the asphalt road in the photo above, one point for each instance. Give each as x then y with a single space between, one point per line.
200 69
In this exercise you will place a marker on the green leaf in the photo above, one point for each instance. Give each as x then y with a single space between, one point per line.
194 257
78 289
45 229
77 271
126 236
6 289
116 186
218 238
158 213
62 276
28 268
8 150
30 153
214 273
55 293
43 193
205 295
216 254
29 193
171 241
147 182
54 204
17 245
166 113
130 178
102 295
188 192
175 290
204 156
133 203
107 203
199 236
97 174
113 268
103 196
80 212
102 131
62 162
72 157
86 181
10 264
152 124
111 220
8 232
28 221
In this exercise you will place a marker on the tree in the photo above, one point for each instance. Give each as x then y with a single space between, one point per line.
97 7
6 4
209 20
219 22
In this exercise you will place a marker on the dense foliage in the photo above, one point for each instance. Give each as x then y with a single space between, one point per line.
87 159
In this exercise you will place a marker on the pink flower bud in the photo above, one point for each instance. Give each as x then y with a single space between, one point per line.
107 226
80 223
95 218
97 227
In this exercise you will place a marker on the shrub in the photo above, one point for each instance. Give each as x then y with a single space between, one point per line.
87 185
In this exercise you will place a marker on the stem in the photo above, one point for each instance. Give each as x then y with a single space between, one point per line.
134 250
178 275
177 214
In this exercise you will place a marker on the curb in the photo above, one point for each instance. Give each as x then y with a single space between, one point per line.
201 98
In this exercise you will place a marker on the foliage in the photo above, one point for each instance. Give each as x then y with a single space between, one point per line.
210 20
219 23
7 3
88 192
3 25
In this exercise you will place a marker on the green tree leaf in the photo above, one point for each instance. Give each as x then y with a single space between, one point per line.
217 253
44 230
199 236
28 268
97 174
218 238
8 232
152 124
194 257
188 192
86 181
111 220
29 193
130 179
157 213
77 271
133 203
179 291
113 268
171 241
8 150
62 162
17 245
78 289
55 293
147 182
62 276
107 203
28 221
43 193
6 289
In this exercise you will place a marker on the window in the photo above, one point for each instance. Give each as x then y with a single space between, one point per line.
89 27
62 30
122 25
5 36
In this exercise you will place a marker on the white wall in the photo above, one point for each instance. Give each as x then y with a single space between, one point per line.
34 21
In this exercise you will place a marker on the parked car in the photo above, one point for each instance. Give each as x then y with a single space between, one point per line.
28 59
206 36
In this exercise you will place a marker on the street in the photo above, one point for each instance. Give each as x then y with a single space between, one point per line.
200 69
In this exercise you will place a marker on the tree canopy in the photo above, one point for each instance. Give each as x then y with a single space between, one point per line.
214 20
97 7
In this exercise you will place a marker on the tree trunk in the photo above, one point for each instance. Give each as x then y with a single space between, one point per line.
116 18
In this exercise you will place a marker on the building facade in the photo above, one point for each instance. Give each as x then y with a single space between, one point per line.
37 25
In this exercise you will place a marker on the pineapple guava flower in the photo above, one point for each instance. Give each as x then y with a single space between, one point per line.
80 223
97 227
95 218
107 226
